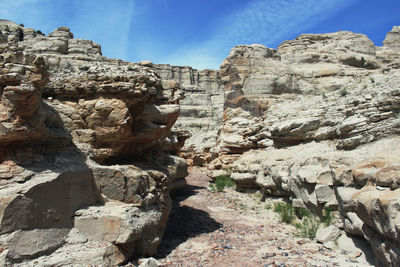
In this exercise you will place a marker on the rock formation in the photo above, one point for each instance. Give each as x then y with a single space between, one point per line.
86 150
299 121
90 146
317 120
201 108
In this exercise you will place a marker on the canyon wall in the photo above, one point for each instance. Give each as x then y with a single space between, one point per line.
90 146
318 121
201 109
87 155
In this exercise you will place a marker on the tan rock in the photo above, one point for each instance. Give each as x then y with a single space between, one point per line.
392 39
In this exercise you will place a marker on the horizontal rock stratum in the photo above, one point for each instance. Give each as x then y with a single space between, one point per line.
86 149
90 146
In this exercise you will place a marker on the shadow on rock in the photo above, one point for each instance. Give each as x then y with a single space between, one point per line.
185 222
181 194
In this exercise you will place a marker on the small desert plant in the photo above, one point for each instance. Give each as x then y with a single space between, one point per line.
372 79
85 68
256 195
343 91
22 25
307 222
321 93
365 86
308 226
285 211
39 32
326 218
221 182
302 212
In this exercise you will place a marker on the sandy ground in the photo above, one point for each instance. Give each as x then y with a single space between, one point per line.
234 229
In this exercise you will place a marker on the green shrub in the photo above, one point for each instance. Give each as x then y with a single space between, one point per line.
343 91
326 218
307 223
85 68
321 93
221 182
308 226
285 211
39 32
22 25
268 206
302 212
372 79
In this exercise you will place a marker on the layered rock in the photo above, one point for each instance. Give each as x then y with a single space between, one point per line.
314 120
201 108
280 87
86 150
392 40
319 119
362 184
297 121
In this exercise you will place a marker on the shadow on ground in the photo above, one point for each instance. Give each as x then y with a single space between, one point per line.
185 222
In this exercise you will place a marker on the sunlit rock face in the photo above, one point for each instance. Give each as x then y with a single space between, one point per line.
317 120
201 108
392 40
87 155
298 120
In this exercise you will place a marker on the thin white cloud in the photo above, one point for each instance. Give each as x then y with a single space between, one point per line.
262 21
269 21
10 9
105 22
197 57
108 22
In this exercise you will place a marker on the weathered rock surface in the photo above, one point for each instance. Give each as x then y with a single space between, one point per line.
317 176
316 120
392 39
319 118
200 109
87 155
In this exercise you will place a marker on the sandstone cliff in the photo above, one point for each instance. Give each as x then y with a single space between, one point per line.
89 145
318 121
86 150
201 108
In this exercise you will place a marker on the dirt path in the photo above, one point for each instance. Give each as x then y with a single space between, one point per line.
234 229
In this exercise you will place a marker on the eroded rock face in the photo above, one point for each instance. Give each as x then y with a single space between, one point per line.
87 155
313 120
361 184
316 87
306 121
392 40
201 108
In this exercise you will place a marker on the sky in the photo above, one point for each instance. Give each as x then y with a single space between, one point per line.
199 33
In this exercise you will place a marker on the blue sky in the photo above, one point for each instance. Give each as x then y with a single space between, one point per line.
199 33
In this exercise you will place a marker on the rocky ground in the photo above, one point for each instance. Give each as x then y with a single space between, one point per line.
235 229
